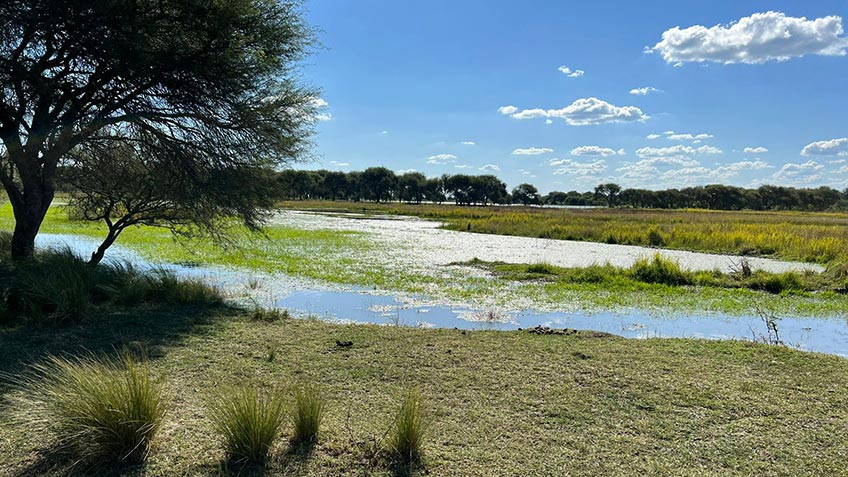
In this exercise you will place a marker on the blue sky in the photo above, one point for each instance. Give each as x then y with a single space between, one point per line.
543 90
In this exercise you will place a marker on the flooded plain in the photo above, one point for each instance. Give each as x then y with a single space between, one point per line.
312 299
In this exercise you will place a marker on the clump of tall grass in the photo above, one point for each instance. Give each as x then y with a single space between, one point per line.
269 315
409 429
58 286
307 414
104 410
659 270
540 268
249 421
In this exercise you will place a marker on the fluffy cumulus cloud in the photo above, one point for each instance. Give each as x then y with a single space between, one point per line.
490 168
572 167
597 151
468 143
644 91
755 150
582 112
532 151
571 73
832 147
441 159
675 136
463 166
321 105
803 173
755 39
653 136
678 150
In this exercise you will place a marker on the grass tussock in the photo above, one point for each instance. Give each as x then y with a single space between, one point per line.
249 421
307 414
60 287
409 429
103 410
269 315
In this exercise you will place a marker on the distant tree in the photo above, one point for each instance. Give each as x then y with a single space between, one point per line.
609 193
526 194
411 186
335 184
379 183
434 190
205 81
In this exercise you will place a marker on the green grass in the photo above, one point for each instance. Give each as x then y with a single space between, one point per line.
808 236
307 414
407 434
499 403
100 410
248 421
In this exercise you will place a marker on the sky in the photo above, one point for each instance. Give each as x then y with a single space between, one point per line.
566 95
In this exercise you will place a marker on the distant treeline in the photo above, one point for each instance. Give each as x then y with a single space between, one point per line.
380 184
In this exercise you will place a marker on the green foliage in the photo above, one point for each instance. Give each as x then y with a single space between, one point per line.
269 315
659 270
105 410
782 282
249 421
655 237
58 286
307 414
540 268
409 429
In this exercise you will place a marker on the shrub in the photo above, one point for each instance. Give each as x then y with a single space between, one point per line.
106 410
248 421
659 270
307 414
406 436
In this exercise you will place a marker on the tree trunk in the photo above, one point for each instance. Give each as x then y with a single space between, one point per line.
29 211
98 254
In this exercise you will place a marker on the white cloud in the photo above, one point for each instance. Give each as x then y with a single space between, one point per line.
670 151
746 165
832 147
490 168
569 166
405 171
462 166
320 105
755 150
582 112
709 150
644 91
837 161
441 159
803 173
571 74
756 39
468 143
339 164
549 121
595 151
653 136
532 151
384 132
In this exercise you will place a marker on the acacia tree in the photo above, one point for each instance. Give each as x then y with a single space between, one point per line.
135 183
209 83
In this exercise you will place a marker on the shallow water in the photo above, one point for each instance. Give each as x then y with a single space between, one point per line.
826 335
810 334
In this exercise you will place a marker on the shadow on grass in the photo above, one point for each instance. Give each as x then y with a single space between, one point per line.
147 329
59 462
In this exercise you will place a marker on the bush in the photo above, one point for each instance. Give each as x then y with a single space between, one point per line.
307 414
408 431
105 410
659 270
248 421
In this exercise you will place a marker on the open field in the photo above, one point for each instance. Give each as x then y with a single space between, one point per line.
500 403
805 236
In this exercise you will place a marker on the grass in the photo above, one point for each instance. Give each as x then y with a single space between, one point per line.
807 236
248 421
104 411
307 414
500 403
662 271
406 437
59 287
